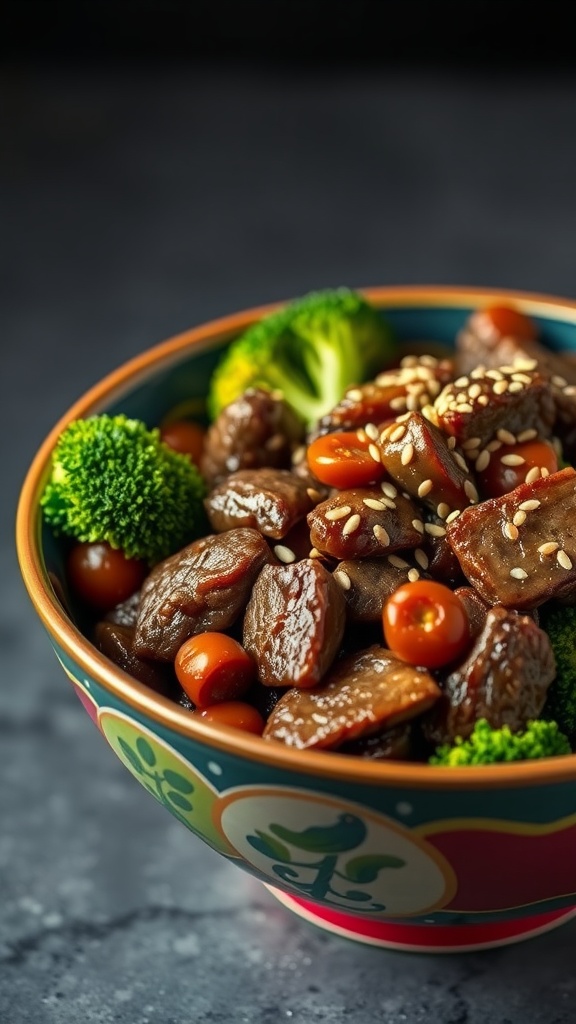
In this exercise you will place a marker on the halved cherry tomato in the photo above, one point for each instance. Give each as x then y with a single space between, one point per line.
213 667
235 713
184 436
343 459
102 576
425 623
510 322
504 471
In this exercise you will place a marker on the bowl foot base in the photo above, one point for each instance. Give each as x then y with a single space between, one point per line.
424 938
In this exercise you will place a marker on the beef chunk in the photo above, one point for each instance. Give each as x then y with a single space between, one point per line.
513 398
294 623
363 694
365 522
519 550
116 642
476 608
205 586
257 429
418 457
399 743
413 385
505 679
268 500
368 582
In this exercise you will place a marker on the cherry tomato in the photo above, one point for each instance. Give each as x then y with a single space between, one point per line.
342 459
235 713
425 623
503 473
184 436
510 322
213 667
102 576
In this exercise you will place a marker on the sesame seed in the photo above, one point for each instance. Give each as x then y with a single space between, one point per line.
479 373
512 460
544 471
398 403
443 510
493 446
425 488
510 531
351 525
470 491
435 531
413 575
518 574
338 513
418 525
313 494
527 435
532 475
500 387
372 431
548 548
506 436
560 382
374 453
519 518
381 535
462 382
422 558
361 435
471 442
398 432
451 442
397 562
515 386
482 461
284 554
483 400
466 407
407 454
354 394
494 375
522 378
563 560
314 553
298 455
460 460
388 503
530 505
389 489
343 579
474 391
525 364
453 515
373 503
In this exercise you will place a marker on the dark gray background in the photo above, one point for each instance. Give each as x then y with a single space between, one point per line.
154 174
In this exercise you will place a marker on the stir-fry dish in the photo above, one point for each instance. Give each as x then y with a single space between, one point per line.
362 548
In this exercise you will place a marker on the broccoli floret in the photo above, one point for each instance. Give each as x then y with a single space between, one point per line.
311 350
486 745
114 480
559 622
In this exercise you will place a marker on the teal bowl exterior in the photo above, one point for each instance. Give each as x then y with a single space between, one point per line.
402 856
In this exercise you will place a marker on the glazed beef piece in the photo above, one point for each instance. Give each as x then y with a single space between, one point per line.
268 500
116 641
205 586
257 429
365 522
505 679
425 463
368 582
294 623
475 407
399 743
519 550
476 608
363 694
438 558
413 385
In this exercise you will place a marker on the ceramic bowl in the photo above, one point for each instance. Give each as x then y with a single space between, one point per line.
399 855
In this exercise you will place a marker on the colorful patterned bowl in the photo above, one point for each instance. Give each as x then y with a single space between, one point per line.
398 855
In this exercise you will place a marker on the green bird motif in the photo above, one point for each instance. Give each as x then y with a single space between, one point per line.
347 833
